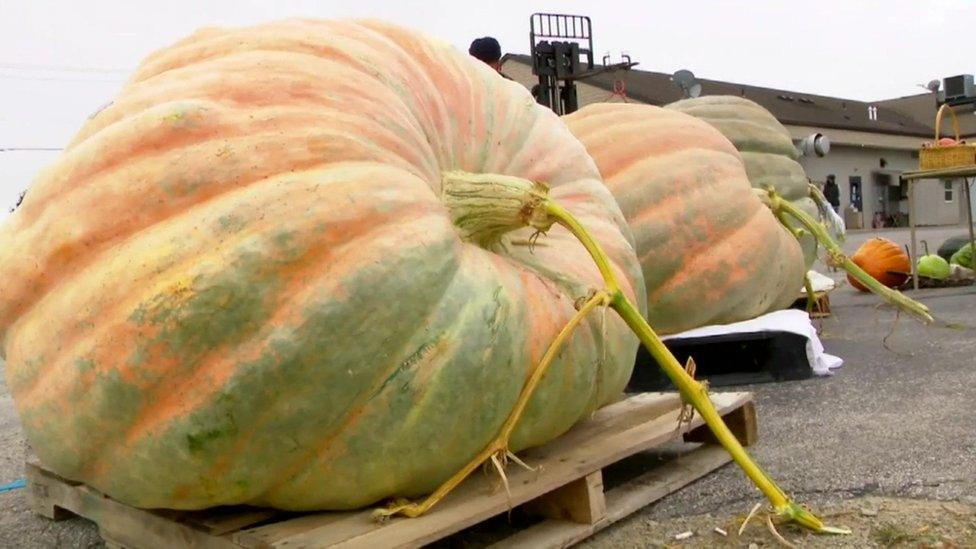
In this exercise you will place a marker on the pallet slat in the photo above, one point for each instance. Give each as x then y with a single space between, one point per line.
566 486
622 501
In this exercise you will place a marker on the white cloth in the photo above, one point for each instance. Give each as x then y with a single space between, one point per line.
789 320
819 282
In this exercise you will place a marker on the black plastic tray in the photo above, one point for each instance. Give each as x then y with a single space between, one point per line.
729 359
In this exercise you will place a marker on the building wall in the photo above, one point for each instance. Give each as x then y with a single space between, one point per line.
931 203
843 161
931 207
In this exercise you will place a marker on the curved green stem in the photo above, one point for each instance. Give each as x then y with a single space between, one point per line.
836 256
811 295
486 206
566 219
691 390
595 300
499 445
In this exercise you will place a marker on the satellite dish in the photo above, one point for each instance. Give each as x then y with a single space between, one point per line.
815 144
685 79
933 86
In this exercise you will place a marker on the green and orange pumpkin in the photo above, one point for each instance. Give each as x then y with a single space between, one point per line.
711 252
766 148
239 283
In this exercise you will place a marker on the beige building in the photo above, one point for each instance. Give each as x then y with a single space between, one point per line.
871 144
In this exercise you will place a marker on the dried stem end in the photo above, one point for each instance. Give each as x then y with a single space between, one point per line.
484 207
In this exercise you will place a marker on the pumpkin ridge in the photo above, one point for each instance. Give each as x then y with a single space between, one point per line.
34 205
242 119
211 45
81 181
340 427
201 79
666 165
658 201
68 346
549 327
75 263
335 348
178 399
768 301
691 258
694 198
354 412
99 466
604 136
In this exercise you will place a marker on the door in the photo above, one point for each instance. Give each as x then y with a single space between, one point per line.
855 192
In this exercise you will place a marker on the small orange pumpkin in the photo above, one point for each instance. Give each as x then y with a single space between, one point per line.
884 260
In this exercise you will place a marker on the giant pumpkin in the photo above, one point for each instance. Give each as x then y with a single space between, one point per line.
766 147
239 283
711 252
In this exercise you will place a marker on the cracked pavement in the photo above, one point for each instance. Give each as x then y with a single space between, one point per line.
897 421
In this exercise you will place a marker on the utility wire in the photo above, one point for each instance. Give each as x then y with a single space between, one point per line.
60 68
19 149
60 79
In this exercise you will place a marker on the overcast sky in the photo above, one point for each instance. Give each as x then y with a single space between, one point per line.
59 61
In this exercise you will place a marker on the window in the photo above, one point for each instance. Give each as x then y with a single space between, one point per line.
948 190
855 192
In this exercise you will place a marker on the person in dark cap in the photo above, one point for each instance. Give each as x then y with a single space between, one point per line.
489 51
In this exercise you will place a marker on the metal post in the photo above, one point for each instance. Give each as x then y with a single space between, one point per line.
969 216
911 223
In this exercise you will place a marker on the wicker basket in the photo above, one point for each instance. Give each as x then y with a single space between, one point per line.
932 156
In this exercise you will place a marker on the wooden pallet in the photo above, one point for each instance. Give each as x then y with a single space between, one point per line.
821 304
566 489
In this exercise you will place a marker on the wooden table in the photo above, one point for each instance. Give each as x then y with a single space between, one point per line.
945 173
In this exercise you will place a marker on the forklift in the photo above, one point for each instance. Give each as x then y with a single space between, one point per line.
562 52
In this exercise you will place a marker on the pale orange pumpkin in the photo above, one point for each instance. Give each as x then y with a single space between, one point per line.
884 260
710 251
240 283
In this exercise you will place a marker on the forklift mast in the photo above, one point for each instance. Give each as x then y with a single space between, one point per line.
562 53
557 43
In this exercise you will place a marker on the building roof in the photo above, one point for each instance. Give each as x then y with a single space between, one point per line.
789 107
922 108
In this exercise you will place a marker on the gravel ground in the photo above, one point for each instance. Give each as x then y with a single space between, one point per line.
874 521
898 422
894 422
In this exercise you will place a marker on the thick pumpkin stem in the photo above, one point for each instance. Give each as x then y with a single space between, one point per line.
836 257
484 207
693 392
811 295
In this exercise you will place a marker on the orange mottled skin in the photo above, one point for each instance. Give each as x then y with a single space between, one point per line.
710 251
239 284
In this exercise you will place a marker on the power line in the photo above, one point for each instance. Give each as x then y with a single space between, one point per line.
61 79
21 149
62 68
